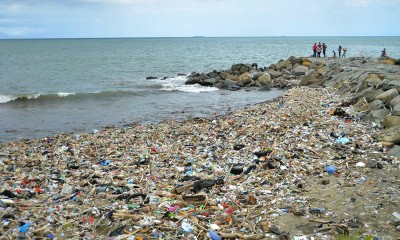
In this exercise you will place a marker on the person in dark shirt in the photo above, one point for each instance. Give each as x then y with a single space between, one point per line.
324 47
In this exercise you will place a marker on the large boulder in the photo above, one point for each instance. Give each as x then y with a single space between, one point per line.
244 68
223 75
390 121
371 95
229 83
395 101
311 78
322 69
209 82
396 110
395 151
390 84
193 80
307 63
387 96
236 67
232 77
256 75
377 116
264 80
300 70
273 73
391 134
375 105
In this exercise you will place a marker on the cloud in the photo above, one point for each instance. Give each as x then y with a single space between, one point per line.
20 31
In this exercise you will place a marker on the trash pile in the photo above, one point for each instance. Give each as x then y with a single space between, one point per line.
292 168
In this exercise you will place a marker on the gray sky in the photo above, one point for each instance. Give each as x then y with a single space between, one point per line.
186 18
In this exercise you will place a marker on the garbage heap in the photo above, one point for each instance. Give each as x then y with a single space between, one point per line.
296 167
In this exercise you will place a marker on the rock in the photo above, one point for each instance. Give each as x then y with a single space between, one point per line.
244 68
274 74
151 77
387 96
395 101
223 75
282 64
390 121
264 80
396 110
193 80
322 69
229 83
375 105
209 81
372 163
236 67
306 62
300 70
377 116
388 60
311 78
245 77
391 84
232 77
391 134
395 151
371 95
256 75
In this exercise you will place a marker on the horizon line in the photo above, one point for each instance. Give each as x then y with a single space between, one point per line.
197 36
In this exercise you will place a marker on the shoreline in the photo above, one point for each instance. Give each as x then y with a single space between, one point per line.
261 172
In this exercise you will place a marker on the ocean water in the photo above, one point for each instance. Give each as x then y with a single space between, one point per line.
51 86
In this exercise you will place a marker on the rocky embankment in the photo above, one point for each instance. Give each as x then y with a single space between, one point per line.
369 87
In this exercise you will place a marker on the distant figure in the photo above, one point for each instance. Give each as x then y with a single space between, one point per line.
255 65
315 49
340 51
344 52
319 49
362 55
334 54
384 54
324 47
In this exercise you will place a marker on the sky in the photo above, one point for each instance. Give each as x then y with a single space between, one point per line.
186 18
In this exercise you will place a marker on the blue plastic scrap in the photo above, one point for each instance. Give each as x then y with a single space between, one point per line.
214 235
24 228
342 140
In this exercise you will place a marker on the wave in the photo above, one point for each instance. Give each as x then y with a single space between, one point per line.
178 84
64 96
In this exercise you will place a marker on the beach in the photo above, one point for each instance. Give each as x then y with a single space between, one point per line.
306 165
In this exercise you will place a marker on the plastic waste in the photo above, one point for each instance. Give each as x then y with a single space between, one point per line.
187 227
214 236
342 140
24 227
330 169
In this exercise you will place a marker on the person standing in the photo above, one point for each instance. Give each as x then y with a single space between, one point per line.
319 49
315 49
384 53
324 47
344 52
340 51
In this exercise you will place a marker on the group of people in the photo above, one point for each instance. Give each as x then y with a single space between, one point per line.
317 49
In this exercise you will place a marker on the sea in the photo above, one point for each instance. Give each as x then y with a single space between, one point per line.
54 86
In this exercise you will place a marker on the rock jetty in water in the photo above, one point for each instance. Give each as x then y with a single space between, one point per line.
319 162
